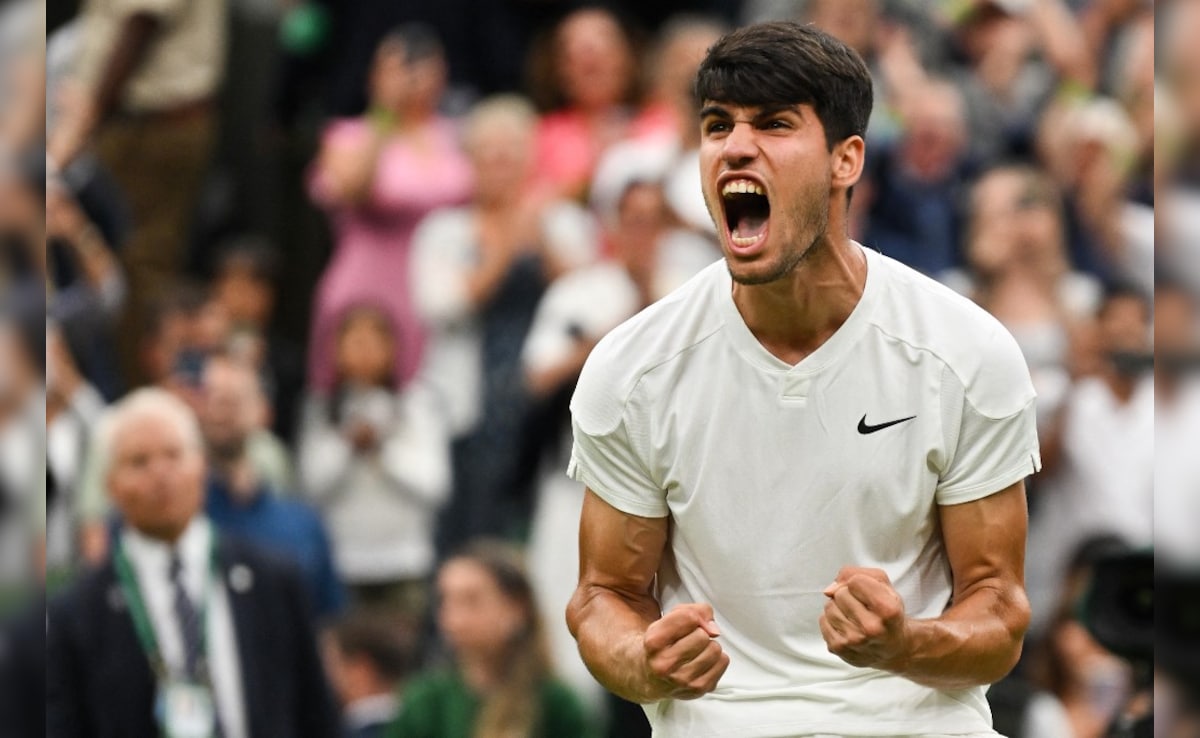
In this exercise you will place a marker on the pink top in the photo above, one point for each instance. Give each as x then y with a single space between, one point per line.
568 147
417 173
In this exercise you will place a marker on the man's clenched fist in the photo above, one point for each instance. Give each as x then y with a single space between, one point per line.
864 622
683 658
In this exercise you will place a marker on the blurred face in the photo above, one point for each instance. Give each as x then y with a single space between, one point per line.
156 477
391 82
502 153
366 350
679 62
245 298
474 615
595 62
641 218
231 407
1124 325
934 133
850 21
767 177
1013 222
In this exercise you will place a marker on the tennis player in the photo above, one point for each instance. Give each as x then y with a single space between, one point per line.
806 510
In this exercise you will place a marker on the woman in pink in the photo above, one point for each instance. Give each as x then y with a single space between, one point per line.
377 176
588 83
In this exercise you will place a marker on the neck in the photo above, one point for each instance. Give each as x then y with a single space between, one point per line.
502 202
480 671
794 315
235 470
1121 385
168 535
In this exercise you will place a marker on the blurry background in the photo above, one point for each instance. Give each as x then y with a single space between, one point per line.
371 242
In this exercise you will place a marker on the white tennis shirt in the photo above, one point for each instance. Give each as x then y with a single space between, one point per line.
776 476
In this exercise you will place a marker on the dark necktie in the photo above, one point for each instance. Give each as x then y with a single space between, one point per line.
189 621
190 629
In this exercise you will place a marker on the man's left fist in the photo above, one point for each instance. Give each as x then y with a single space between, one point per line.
864 622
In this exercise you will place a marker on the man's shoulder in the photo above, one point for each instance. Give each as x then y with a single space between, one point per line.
90 589
663 332
929 316
241 557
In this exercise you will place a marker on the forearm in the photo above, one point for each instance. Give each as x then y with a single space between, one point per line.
609 628
976 641
1063 42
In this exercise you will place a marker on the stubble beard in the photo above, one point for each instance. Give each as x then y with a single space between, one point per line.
790 260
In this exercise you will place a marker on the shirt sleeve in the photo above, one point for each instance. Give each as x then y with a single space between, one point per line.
989 422
609 455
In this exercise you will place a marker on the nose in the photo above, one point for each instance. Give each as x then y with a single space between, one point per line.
740 146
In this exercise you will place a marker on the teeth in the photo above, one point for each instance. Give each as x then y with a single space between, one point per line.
744 241
742 186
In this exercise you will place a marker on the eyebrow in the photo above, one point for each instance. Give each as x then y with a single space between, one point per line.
764 111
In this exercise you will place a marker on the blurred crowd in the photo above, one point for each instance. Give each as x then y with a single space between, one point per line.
365 247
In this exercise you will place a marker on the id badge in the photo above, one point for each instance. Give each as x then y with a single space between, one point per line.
186 710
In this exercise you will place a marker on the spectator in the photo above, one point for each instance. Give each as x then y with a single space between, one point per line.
1099 461
478 273
240 501
586 80
370 657
125 647
1087 145
377 176
146 78
917 183
1019 271
376 460
184 331
1010 59
244 288
500 682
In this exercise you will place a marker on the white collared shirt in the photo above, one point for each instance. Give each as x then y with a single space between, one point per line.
150 559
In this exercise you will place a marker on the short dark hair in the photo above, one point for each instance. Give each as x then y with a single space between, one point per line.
788 63
253 255
387 642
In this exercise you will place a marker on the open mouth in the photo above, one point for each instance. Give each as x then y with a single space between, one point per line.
747 211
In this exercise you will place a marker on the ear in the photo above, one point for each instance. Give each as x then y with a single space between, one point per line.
847 159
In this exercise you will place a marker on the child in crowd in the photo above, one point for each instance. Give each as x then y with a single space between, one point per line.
375 459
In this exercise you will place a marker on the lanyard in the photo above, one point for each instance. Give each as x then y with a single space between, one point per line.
141 615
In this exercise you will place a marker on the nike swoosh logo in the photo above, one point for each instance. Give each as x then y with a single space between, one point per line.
864 429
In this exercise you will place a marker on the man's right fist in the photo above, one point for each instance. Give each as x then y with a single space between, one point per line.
683 657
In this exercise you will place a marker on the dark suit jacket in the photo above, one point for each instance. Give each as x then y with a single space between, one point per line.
99 681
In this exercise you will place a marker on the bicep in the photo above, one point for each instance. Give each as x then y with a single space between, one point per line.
985 541
619 551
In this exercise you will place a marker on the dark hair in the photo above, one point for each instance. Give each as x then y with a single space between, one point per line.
514 708
388 643
255 255
418 42
1116 291
788 63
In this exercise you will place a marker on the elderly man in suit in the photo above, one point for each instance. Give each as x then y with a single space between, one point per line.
180 632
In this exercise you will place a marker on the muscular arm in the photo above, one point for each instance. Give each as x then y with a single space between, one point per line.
977 640
625 641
